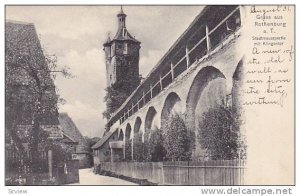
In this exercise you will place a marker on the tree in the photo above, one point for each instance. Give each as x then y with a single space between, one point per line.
157 150
114 99
60 152
177 140
128 150
138 147
117 93
151 149
91 141
141 151
218 133
30 93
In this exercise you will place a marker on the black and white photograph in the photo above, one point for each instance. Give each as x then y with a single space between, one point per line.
180 95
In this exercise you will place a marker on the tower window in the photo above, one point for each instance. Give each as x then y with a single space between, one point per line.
112 50
110 77
125 48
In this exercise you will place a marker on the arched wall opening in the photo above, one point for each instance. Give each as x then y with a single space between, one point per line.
151 119
237 82
127 149
121 135
172 105
128 131
137 125
207 90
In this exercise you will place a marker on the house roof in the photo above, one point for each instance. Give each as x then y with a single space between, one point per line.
68 139
103 140
71 131
23 52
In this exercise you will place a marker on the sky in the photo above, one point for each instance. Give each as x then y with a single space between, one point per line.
75 34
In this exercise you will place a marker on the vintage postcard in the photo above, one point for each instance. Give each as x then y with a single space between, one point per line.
149 95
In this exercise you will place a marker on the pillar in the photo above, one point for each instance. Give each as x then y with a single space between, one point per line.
207 39
151 91
111 155
132 106
172 71
50 163
160 83
132 147
229 85
124 140
187 57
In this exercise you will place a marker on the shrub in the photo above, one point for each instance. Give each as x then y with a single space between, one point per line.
157 150
218 134
128 150
177 141
138 148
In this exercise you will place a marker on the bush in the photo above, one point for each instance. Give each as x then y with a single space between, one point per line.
128 150
177 141
151 149
218 134
156 146
60 152
139 148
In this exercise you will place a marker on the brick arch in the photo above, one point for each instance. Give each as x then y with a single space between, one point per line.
137 125
202 79
237 82
128 131
121 135
171 101
238 73
115 136
151 114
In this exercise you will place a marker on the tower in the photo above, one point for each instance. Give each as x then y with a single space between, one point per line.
122 58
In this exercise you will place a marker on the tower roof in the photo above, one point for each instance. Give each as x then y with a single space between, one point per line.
121 13
107 43
122 33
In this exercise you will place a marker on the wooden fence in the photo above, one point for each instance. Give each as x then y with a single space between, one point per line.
65 172
221 172
20 163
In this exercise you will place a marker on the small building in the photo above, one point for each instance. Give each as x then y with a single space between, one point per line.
74 139
108 148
